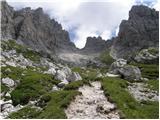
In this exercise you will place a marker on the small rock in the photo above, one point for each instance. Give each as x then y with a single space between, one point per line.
7 95
51 71
11 63
144 79
111 75
62 84
55 88
8 70
8 82
99 75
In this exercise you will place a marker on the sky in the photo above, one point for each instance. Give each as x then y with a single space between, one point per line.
83 18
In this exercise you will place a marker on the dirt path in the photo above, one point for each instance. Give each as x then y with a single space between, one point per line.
92 104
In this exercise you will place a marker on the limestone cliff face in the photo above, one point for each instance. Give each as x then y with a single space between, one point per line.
35 29
140 31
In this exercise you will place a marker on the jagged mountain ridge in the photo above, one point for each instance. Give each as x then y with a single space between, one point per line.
34 28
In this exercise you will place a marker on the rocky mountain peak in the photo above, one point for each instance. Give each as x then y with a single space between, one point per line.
140 31
96 45
141 11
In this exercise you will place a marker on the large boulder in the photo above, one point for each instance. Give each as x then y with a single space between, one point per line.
128 72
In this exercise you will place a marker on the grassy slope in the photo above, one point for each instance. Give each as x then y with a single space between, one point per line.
115 89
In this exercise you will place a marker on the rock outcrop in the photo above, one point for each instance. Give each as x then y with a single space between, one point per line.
140 31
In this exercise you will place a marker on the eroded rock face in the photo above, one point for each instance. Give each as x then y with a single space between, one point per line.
140 31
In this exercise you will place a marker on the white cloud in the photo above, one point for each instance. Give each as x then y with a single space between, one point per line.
157 5
90 17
